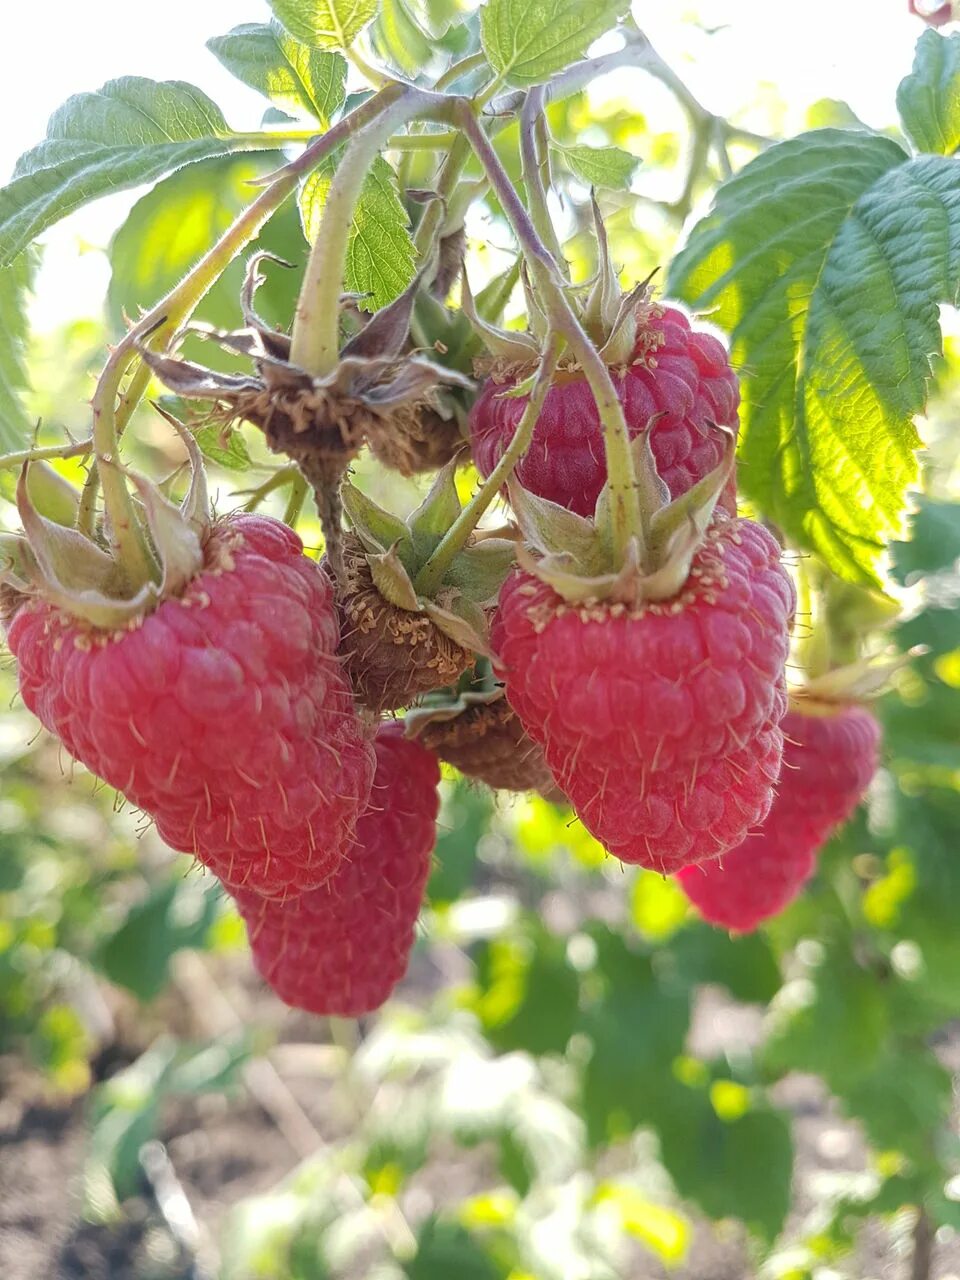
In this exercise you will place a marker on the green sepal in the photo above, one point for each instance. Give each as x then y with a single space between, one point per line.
397 550
512 346
576 557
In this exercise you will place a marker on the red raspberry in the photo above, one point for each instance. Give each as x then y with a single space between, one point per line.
935 17
829 758
687 379
224 713
341 949
660 724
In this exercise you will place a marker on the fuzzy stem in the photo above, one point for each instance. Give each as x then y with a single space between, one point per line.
461 68
626 514
431 575
315 336
298 494
76 449
163 320
379 79
432 218
530 117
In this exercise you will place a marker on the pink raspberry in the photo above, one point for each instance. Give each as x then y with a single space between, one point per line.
224 713
687 379
661 724
341 949
829 758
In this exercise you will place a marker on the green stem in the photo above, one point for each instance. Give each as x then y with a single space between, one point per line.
399 142
298 495
379 79
530 161
278 480
431 575
163 320
461 68
626 511
315 337
78 449
425 237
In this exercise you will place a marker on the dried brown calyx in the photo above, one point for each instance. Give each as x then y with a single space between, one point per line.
399 640
393 654
371 396
479 734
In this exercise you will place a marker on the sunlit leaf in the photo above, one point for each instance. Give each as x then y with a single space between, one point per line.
826 259
273 62
15 281
929 98
380 253
324 24
599 166
526 41
131 131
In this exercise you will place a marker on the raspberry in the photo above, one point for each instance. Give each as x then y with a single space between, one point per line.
688 380
660 723
392 654
224 713
829 758
341 949
934 15
487 742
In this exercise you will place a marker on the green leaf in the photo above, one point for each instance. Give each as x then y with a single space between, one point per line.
131 131
527 41
826 258
929 98
177 222
138 955
833 1023
904 1102
15 282
467 810
276 64
324 24
446 1249
529 993
599 166
731 1169
227 449
744 964
934 542
400 39
380 253
638 1025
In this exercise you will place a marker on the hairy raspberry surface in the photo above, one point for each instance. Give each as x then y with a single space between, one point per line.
661 725
391 654
488 742
224 713
687 380
341 949
829 759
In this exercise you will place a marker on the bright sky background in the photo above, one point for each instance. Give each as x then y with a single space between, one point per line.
857 50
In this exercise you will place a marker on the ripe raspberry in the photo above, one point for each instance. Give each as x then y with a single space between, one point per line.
678 372
660 724
224 713
933 15
487 741
829 758
341 949
392 654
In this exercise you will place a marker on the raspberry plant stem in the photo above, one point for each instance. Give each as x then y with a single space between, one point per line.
315 336
113 408
431 575
530 117
626 513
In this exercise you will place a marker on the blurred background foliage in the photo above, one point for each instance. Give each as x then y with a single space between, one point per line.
579 1080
